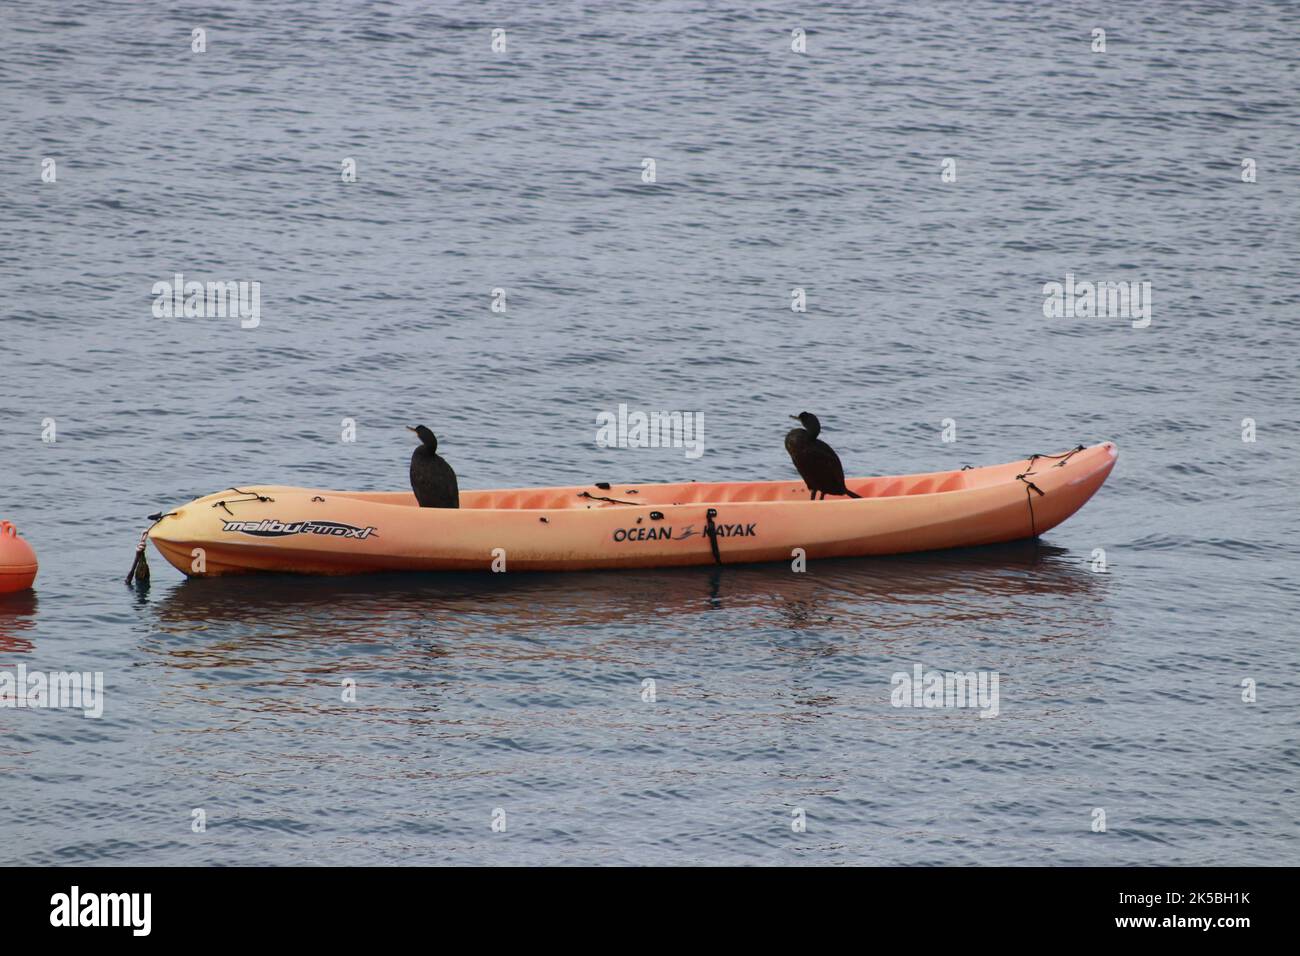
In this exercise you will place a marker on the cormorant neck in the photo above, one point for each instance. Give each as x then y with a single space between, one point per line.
427 438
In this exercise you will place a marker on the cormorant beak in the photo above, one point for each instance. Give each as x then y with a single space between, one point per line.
410 428
796 418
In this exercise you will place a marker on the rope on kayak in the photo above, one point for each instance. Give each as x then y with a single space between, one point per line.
1030 488
588 494
711 530
140 566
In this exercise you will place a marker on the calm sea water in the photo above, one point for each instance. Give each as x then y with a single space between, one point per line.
522 170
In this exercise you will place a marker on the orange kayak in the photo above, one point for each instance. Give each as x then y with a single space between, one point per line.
310 531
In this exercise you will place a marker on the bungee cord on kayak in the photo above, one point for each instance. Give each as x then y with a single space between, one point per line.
1064 457
248 496
614 501
711 530
1030 487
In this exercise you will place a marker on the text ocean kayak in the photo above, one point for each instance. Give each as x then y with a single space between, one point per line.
309 531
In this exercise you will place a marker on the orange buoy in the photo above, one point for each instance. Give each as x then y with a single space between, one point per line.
17 560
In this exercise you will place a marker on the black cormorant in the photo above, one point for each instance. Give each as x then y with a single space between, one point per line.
816 461
432 479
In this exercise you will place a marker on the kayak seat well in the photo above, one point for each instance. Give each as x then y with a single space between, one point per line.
954 482
897 487
704 493
747 493
934 484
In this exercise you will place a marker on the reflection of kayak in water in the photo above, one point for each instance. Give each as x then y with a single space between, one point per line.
307 531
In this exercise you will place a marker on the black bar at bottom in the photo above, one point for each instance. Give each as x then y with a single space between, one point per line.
303 905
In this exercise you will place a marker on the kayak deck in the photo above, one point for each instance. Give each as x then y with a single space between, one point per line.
311 531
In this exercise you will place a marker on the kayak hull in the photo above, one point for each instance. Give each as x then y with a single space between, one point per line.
272 528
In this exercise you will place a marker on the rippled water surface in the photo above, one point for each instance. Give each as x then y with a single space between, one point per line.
522 170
